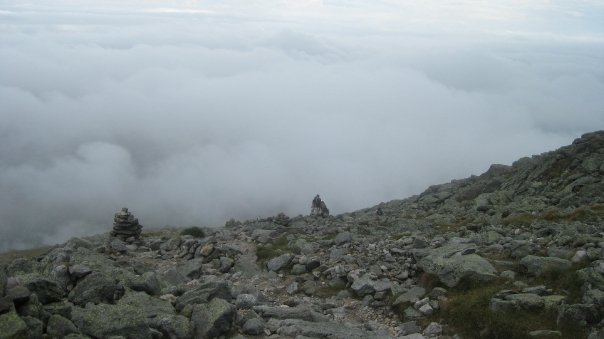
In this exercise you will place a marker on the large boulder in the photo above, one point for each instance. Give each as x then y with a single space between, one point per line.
212 319
538 266
96 288
160 314
279 262
103 320
12 327
47 290
59 327
204 293
147 282
451 264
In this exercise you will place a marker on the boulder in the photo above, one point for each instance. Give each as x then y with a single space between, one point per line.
333 330
253 326
300 312
95 288
204 293
18 294
12 326
47 290
451 266
279 262
59 327
103 320
538 266
35 326
148 282
212 319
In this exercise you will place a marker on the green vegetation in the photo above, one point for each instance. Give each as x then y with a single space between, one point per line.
586 214
194 231
468 310
268 251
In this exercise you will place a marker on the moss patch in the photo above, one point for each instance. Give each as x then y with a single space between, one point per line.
273 249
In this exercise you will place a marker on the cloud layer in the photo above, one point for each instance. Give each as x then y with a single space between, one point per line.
195 113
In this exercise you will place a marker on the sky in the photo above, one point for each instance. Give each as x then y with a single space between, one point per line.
195 112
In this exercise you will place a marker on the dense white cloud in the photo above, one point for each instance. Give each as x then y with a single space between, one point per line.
194 112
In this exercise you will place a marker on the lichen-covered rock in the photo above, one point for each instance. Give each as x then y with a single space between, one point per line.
212 319
12 326
104 320
451 265
279 262
204 293
59 327
538 266
96 288
148 282
47 290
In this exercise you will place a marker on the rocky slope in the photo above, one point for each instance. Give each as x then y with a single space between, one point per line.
516 252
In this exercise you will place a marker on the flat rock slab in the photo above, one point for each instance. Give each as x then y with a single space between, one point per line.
537 266
451 266
300 312
296 327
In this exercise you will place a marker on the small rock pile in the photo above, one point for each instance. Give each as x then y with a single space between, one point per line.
126 226
318 207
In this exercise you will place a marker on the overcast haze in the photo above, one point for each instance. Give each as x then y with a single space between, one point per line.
193 112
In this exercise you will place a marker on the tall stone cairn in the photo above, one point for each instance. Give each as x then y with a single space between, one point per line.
126 226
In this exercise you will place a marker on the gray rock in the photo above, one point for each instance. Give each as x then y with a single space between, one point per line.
577 315
103 320
47 290
5 305
300 312
253 326
545 334
246 301
172 326
279 262
297 327
191 268
292 288
59 327
433 329
538 266
148 282
298 269
18 294
226 264
410 296
12 326
60 308
451 267
95 288
343 238
35 326
78 271
409 327
527 301
204 293
212 319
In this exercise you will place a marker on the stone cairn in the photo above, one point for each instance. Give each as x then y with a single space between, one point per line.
126 226
318 207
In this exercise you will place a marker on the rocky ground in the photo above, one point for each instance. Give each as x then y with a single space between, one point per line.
516 252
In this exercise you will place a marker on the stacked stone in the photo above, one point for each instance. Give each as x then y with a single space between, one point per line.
318 207
126 226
